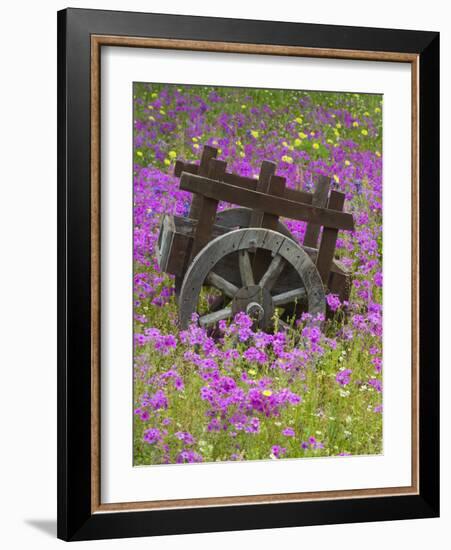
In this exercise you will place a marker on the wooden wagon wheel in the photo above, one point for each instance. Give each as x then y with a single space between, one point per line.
256 298
240 217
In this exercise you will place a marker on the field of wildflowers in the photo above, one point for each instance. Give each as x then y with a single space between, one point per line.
312 390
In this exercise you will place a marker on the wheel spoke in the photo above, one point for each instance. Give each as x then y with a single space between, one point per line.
247 277
229 289
212 318
289 297
272 273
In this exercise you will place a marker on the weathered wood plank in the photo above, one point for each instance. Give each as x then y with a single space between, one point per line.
267 170
340 284
289 297
244 182
270 204
273 272
221 284
319 199
247 276
262 258
276 188
207 210
326 249
208 153
211 319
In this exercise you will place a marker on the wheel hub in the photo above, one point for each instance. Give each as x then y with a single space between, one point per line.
256 302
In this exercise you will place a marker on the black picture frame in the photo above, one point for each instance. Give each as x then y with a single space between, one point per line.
76 521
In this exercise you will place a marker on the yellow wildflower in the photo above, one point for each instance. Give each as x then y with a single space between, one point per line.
364 132
366 113
302 135
267 393
194 139
162 112
254 133
316 146
284 143
377 110
196 146
139 153
329 141
252 372
347 163
154 95
338 125
150 107
287 159
243 106
172 154
242 155
297 142
167 162
355 123
219 151
152 118
312 133
378 154
298 120
336 178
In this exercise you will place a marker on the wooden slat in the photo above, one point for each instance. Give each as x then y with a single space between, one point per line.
262 258
326 250
244 182
319 199
289 297
211 319
208 153
245 265
276 188
207 209
270 204
226 287
273 272
267 170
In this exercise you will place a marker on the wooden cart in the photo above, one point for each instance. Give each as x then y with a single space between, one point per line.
246 253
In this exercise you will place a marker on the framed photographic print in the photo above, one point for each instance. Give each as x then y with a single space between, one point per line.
248 274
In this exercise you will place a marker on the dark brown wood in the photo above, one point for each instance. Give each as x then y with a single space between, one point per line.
244 182
207 209
262 258
326 250
276 188
175 242
267 170
270 204
208 153
339 283
320 197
